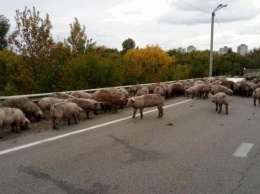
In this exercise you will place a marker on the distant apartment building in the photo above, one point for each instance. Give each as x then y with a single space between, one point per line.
181 50
242 49
223 50
191 48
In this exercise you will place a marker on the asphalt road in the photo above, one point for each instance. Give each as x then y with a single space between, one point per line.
191 150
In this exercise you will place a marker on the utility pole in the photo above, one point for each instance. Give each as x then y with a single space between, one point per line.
211 38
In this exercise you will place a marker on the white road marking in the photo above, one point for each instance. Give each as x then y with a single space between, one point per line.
243 150
79 131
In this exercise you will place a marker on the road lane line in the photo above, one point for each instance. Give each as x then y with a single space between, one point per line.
243 150
79 131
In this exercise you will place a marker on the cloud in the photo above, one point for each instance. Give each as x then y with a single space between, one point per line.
250 28
197 12
168 23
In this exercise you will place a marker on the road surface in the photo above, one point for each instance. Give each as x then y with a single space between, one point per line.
192 149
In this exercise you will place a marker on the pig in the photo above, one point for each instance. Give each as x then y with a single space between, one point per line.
200 90
177 89
256 86
133 89
86 104
219 88
142 91
168 91
237 88
110 98
65 110
26 105
199 82
219 99
256 80
228 84
209 80
147 100
14 117
151 87
217 82
46 102
222 78
61 95
245 89
256 96
123 91
159 90
81 94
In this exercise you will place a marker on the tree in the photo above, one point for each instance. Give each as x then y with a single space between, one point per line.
4 28
78 38
52 78
33 41
98 68
254 55
150 64
128 44
9 85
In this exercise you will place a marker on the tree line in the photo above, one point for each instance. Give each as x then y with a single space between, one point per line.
32 62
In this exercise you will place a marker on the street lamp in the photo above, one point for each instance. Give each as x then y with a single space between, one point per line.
211 38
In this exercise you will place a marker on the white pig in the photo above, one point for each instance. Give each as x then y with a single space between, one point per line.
14 117
147 100
65 110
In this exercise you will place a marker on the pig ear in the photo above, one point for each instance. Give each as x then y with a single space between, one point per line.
27 120
132 99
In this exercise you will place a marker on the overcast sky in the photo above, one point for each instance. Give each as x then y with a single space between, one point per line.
167 23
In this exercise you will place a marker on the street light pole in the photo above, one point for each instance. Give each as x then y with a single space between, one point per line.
211 38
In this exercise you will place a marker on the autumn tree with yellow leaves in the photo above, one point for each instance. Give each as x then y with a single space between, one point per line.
150 64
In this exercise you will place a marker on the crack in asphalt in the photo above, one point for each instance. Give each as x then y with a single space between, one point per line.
243 174
137 153
96 187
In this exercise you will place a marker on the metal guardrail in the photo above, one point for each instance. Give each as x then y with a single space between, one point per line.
36 97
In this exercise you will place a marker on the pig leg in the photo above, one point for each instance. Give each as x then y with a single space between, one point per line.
15 127
75 119
55 123
255 101
226 105
141 112
87 113
135 109
220 108
113 107
160 110
159 113
216 106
